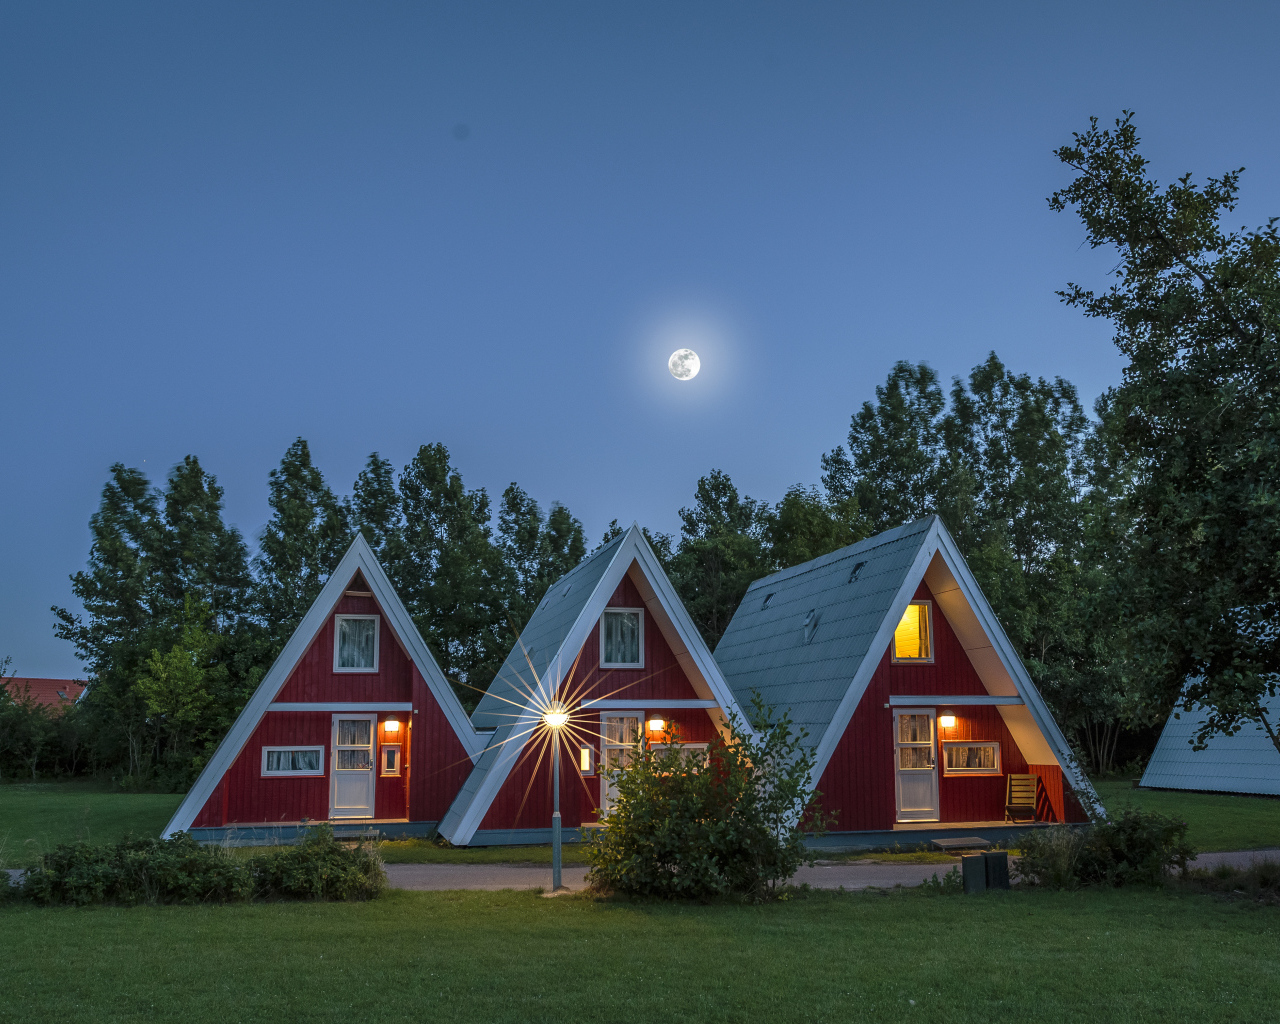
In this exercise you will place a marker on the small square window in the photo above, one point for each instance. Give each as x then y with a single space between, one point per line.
913 639
622 638
391 759
355 647
586 759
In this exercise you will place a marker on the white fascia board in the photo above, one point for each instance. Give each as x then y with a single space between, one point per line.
871 660
952 700
606 704
352 706
509 749
1017 672
670 603
358 557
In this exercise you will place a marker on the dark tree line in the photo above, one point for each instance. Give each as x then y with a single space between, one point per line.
1131 556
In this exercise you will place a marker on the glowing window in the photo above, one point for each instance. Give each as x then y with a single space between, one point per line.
912 640
971 758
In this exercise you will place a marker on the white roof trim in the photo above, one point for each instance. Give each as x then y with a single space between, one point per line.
954 700
359 557
633 548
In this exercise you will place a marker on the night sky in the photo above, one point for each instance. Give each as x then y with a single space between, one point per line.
380 225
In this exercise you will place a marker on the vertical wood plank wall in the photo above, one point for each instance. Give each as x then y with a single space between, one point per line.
434 762
525 800
858 783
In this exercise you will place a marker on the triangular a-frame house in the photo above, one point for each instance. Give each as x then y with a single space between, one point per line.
917 706
353 724
612 642
1246 762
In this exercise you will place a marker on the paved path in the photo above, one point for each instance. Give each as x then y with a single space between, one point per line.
857 875
1236 858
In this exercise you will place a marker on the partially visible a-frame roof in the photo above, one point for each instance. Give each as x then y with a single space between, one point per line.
1247 762
764 648
358 559
544 657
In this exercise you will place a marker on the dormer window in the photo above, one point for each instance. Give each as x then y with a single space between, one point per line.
913 639
622 638
355 644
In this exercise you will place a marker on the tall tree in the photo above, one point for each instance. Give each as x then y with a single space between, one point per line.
538 550
302 542
721 551
374 508
806 524
1196 311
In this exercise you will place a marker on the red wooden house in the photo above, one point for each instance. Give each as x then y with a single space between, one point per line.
613 644
916 703
354 724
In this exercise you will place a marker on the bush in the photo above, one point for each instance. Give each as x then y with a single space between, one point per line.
180 870
1259 883
319 868
177 870
685 826
1134 846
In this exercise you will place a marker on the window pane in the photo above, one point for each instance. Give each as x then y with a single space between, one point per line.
355 642
978 757
354 732
911 638
621 638
618 757
915 757
915 729
305 760
390 759
277 760
621 730
351 759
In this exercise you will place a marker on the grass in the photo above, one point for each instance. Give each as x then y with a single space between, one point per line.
1216 821
1097 957
37 816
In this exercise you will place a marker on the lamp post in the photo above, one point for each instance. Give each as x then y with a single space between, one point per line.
554 719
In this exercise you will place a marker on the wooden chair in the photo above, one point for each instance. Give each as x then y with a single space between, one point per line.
1020 798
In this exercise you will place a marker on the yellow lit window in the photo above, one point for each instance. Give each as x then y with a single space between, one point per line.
912 640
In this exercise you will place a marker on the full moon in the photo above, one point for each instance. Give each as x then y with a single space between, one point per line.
684 364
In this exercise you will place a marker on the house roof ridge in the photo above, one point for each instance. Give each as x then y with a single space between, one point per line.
861 547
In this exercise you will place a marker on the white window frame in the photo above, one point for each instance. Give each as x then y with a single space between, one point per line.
382 760
377 637
602 759
292 774
640 647
997 770
933 644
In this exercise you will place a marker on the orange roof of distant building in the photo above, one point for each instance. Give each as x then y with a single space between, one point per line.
55 692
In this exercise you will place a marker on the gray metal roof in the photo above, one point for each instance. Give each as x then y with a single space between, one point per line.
765 648
1247 762
541 639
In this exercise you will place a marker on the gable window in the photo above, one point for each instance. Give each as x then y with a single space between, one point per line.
355 647
292 761
913 639
971 758
622 638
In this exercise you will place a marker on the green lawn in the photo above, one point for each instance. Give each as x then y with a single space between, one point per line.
1217 821
1097 957
37 816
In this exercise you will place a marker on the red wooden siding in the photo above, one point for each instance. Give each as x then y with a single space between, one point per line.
434 763
858 783
525 801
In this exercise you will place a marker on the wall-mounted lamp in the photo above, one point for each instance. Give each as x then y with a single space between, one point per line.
947 721
391 725
656 725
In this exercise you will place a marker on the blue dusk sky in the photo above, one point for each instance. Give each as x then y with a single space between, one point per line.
379 225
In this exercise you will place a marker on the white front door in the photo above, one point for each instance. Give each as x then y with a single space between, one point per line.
618 736
351 766
916 767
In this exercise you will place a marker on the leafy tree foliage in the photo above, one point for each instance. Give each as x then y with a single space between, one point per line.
302 542
1196 310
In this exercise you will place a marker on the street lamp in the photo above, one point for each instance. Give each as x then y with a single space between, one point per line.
555 718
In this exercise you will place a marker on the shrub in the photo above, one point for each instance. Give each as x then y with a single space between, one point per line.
180 870
728 824
1134 846
1259 882
319 868
177 870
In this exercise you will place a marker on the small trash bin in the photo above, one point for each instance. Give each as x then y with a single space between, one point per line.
997 869
973 867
